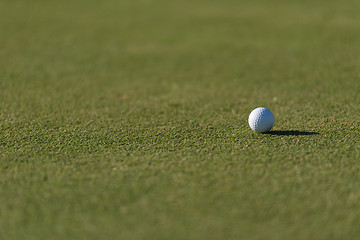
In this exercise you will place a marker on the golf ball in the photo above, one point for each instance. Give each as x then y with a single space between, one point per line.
261 120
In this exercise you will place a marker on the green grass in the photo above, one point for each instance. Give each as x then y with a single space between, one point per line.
128 119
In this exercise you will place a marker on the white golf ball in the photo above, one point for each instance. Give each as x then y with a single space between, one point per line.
261 120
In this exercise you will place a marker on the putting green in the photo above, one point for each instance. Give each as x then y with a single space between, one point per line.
128 119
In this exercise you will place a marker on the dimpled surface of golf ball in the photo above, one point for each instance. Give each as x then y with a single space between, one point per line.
261 120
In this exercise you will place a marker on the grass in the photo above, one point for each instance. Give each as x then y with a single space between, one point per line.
128 120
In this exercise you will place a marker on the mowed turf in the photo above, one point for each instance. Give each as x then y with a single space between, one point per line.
128 119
